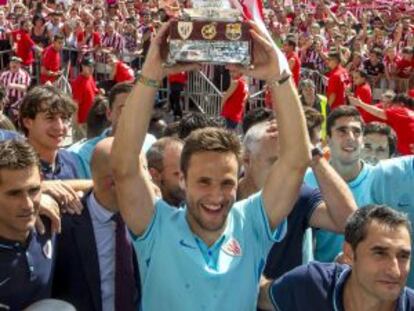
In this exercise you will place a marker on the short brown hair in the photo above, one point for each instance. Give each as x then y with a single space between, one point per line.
313 119
209 139
340 112
357 224
17 154
119 88
45 98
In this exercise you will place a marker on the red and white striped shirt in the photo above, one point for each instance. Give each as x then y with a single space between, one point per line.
20 77
115 42
313 60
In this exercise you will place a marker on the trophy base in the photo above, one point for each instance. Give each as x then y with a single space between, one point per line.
213 52
214 42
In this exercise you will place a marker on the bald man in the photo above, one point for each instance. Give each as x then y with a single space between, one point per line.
96 267
164 167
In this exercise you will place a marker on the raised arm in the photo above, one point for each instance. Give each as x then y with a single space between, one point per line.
286 176
135 193
229 92
282 186
338 199
375 111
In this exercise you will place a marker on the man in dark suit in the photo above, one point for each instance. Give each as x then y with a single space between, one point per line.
95 266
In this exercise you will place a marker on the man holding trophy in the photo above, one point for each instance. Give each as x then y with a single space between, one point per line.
208 255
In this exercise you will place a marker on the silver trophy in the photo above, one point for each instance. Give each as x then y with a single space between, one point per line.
210 32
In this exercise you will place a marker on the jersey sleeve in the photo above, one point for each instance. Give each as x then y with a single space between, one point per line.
287 292
305 286
254 213
393 182
311 198
395 115
144 243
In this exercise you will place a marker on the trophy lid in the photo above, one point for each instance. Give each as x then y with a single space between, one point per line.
213 10
219 4
212 14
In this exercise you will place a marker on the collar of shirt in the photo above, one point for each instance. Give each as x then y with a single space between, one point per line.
363 174
52 169
98 212
12 244
211 253
340 279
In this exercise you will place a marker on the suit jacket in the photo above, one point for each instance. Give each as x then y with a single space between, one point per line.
76 277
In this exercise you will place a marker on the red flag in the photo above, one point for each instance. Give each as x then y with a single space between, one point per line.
253 10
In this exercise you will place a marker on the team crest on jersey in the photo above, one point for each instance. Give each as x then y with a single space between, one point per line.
232 248
47 249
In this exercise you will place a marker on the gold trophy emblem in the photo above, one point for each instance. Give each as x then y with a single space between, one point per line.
209 31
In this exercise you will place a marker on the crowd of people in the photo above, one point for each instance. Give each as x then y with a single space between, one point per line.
302 201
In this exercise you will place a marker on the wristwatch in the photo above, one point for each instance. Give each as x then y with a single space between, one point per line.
316 152
278 82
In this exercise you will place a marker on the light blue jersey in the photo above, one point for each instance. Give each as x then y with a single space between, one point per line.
179 272
390 182
328 244
83 151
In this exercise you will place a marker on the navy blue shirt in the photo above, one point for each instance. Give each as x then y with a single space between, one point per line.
26 270
65 167
287 254
319 286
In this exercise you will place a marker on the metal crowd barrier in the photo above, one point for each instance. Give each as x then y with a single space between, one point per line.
71 71
256 94
399 85
207 96
202 92
320 80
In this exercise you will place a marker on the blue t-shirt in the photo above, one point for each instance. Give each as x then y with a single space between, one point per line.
287 254
6 135
65 167
26 271
319 287
329 244
83 151
179 272
390 182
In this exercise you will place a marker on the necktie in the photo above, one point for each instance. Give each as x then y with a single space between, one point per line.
125 284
